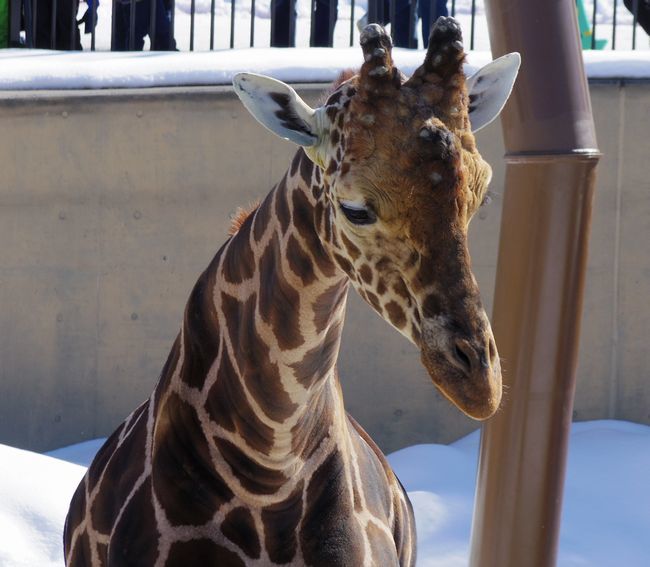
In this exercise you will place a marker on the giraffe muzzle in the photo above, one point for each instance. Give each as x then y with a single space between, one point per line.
465 369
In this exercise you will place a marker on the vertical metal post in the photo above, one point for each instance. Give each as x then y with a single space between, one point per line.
412 23
252 42
331 19
212 23
30 24
351 23
551 158
53 25
74 6
593 26
614 26
172 23
152 25
34 16
232 24
94 25
113 24
473 22
635 18
14 23
192 15
132 25
292 23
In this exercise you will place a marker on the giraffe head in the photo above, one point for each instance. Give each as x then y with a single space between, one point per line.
398 180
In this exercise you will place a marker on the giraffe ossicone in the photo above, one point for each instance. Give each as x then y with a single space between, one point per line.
244 454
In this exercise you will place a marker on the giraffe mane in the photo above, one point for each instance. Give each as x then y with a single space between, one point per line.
238 218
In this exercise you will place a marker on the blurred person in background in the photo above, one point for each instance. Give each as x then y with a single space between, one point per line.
642 12
163 40
60 33
430 11
281 15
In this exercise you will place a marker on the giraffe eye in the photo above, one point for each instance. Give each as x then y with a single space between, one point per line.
357 214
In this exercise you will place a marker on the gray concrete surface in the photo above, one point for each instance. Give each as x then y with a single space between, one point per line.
113 202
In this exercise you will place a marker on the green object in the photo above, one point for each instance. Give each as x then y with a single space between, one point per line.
585 29
4 23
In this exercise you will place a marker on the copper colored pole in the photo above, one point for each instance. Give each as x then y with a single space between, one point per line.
551 158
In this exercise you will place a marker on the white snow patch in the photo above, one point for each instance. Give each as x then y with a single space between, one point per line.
22 69
35 492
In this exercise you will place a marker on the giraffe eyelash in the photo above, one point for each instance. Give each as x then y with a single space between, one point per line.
357 214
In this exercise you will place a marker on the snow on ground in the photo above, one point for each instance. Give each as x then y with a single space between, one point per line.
606 513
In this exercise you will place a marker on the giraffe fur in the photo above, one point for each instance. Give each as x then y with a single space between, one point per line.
244 454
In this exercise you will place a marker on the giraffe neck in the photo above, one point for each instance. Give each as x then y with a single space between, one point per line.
255 361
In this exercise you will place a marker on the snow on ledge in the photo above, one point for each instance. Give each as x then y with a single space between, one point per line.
23 69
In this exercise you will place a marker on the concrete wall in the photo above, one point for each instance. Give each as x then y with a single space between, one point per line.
113 202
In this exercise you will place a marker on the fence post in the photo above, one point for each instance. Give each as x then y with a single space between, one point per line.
551 158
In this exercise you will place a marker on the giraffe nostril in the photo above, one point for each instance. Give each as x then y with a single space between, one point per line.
462 356
492 351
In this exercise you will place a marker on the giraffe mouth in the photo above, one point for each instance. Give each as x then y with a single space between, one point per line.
477 395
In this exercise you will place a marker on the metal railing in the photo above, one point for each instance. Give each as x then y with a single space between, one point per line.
54 24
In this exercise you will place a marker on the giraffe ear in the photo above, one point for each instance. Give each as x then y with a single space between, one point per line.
489 89
278 107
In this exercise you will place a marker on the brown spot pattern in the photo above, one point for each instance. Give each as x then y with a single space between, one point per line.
396 314
303 220
262 217
328 303
344 264
299 261
280 523
184 478
254 477
282 206
350 246
134 540
279 302
306 167
123 467
374 301
324 538
366 273
203 553
239 527
239 262
103 456
82 554
260 375
228 406
201 331
319 359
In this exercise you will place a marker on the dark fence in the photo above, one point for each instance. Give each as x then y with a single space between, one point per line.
55 24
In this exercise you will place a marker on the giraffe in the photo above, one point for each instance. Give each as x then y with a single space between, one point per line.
244 454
